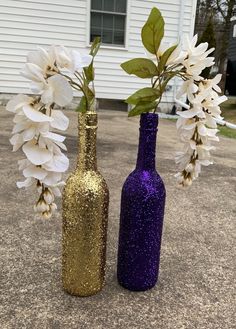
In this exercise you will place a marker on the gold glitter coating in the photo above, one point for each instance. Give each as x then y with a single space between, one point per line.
85 214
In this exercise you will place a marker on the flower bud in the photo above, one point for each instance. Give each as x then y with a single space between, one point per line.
189 168
53 207
39 189
47 214
41 206
187 181
179 178
48 196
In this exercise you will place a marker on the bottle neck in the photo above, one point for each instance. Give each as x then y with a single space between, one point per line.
147 141
87 157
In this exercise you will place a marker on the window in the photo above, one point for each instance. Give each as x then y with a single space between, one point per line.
234 31
108 18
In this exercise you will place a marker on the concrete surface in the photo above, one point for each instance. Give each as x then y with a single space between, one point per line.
197 277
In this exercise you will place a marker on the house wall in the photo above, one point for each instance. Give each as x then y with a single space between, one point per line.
26 24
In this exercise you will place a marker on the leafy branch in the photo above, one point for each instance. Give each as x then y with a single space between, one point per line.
86 79
147 99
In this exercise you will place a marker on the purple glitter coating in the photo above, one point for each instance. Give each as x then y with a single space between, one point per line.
142 213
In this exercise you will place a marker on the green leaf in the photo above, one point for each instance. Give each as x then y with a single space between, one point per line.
153 31
82 107
141 67
89 72
143 95
95 46
142 107
164 84
164 58
90 94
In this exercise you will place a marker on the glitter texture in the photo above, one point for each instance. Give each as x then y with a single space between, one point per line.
85 214
142 213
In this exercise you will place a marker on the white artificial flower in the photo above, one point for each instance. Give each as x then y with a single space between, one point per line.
212 103
197 58
47 154
204 101
192 112
26 183
185 123
210 121
17 102
26 109
34 115
56 90
211 83
35 154
71 60
16 141
63 58
195 68
60 121
177 56
188 88
33 72
58 163
35 172
81 60
51 142
35 118
204 131
198 128
45 77
196 52
45 59
52 178
28 130
183 158
29 121
56 138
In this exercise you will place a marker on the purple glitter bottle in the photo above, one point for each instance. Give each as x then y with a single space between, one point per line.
142 213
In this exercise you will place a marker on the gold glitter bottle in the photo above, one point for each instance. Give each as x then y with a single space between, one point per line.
85 214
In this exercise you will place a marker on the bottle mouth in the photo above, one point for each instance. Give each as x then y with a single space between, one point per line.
149 121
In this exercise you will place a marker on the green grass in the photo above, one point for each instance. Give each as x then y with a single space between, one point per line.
227 132
228 109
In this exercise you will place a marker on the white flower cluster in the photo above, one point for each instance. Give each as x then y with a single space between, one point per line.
35 117
197 125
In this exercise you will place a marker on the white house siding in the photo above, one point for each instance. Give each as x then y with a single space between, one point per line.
26 24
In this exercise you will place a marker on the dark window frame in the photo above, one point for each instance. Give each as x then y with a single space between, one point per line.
113 30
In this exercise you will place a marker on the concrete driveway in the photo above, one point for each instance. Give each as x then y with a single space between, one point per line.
197 277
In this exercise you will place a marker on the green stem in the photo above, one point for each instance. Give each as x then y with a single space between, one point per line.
79 77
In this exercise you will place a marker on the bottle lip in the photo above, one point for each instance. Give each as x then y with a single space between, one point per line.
149 121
